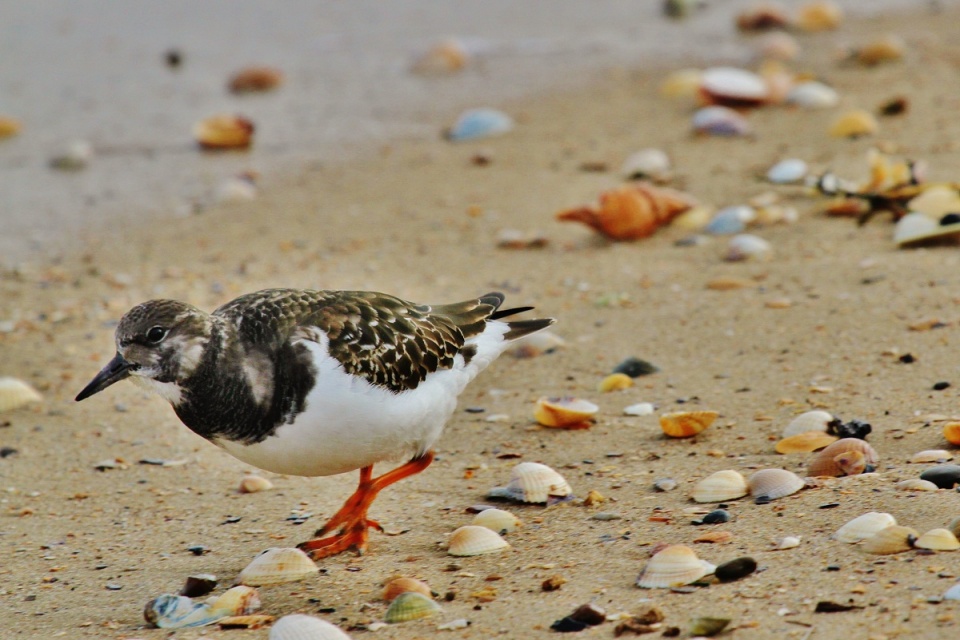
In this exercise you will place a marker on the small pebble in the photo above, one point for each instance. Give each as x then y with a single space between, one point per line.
605 516
735 569
635 367
940 386
717 516
665 484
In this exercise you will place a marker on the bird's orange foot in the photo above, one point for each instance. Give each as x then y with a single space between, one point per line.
350 537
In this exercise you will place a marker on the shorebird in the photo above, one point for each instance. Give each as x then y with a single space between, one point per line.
316 383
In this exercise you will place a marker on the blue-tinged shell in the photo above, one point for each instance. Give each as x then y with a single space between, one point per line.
179 612
479 123
720 121
787 171
730 220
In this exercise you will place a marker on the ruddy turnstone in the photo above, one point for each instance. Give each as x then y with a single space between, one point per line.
316 383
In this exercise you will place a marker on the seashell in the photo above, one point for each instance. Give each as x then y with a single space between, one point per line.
951 432
831 461
76 156
683 424
889 48
778 46
746 246
664 484
15 393
718 120
177 612
533 482
635 367
479 123
447 56
953 593
915 229
198 585
787 542
863 527
771 484
694 218
237 601
631 212
703 627
854 124
536 344
225 131
936 201
720 487
255 80
9 127
278 566
809 421
938 540
647 163
733 87
684 83
916 484
640 409
820 15
931 455
473 540
735 569
589 614
253 484
240 188
893 539
615 382
299 626
411 606
764 16
813 95
497 520
945 476
805 442
673 566
564 413
730 220
787 171
395 587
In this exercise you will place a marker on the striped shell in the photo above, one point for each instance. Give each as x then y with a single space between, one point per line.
472 540
916 484
396 586
16 393
564 413
774 483
805 442
411 606
808 421
533 482
683 424
863 527
893 539
832 462
938 540
278 566
299 626
497 520
673 566
720 486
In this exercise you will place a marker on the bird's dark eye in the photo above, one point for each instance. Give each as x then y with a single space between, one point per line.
156 334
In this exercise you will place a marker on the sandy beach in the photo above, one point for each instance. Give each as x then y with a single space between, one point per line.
821 325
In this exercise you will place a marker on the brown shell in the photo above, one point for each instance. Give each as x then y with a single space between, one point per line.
395 587
832 462
631 212
224 132
683 424
893 539
805 442
255 79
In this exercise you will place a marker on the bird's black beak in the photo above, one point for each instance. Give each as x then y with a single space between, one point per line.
115 371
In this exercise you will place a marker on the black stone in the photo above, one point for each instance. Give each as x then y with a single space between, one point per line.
826 606
945 476
635 367
589 614
735 569
198 585
6 452
853 429
940 386
907 358
717 516
567 625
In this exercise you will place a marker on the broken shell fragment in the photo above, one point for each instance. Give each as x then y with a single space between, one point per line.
746 246
683 424
479 123
805 442
253 484
533 482
299 626
447 56
809 421
931 456
708 627
771 484
397 586
411 606
834 461
631 212
75 156
615 382
916 484
497 520
225 131
720 487
278 566
763 16
889 48
854 124
813 95
673 566
472 540
255 80
893 539
15 393
819 15
564 413
177 612
718 120
732 87
198 585
787 542
650 163
951 432
863 527
237 601
938 540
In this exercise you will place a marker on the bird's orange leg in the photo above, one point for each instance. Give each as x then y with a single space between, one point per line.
351 522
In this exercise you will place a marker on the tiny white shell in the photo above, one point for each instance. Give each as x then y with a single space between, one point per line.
774 483
16 393
808 421
640 409
497 520
720 487
647 163
788 542
253 484
746 246
673 566
533 482
720 121
730 220
278 566
472 540
787 171
299 626
863 527
813 95
733 86
479 123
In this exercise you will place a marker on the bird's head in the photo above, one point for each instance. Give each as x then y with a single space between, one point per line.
159 345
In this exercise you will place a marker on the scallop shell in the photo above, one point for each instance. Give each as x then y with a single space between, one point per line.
813 95
225 131
533 482
278 566
916 484
647 163
937 456
820 15
720 487
479 123
564 413
15 393
746 246
733 87
631 212
396 586
299 626
809 421
718 120
472 540
684 83
893 539
787 171
854 124
938 540
805 442
497 520
832 461
254 484
255 80
951 432
863 527
615 382
683 424
673 566
446 56
774 483
411 606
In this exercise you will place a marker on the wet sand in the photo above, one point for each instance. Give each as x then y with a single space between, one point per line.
88 548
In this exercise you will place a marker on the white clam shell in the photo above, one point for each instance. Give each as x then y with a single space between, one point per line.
808 421
254 484
787 171
472 540
720 121
278 566
720 487
774 483
15 393
733 84
299 626
916 228
938 540
937 456
863 527
647 163
813 95
916 484
673 566
640 409
788 542
746 246
497 520
533 482
893 539
936 201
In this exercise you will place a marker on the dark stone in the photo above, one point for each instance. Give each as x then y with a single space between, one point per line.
635 367
825 606
735 569
717 516
589 614
853 429
945 476
6 452
940 386
567 625
198 585
907 358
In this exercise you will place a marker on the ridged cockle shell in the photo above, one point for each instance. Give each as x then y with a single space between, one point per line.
720 487
472 540
893 539
396 586
865 526
278 566
848 456
533 482
497 520
774 483
299 626
411 606
673 566
683 424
